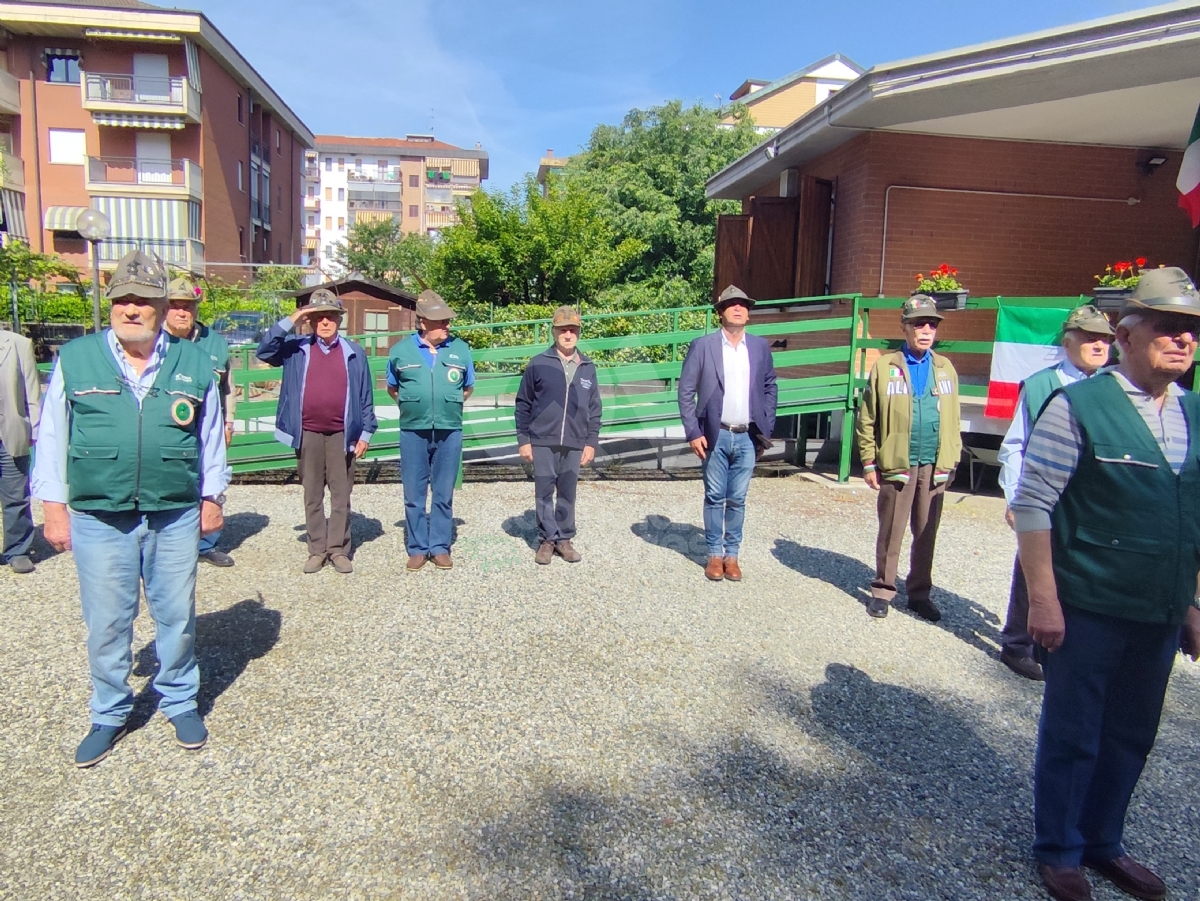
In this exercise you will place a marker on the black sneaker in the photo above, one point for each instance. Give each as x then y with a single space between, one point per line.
98 744
1023 666
878 608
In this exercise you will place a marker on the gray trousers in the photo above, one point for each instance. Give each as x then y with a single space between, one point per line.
1015 638
322 460
14 497
555 471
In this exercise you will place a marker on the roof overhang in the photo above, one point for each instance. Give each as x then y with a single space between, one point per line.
70 21
1131 80
357 283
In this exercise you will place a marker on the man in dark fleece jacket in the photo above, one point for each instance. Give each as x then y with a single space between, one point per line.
558 427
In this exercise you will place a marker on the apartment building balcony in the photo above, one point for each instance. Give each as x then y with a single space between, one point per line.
312 231
184 253
144 178
440 219
358 217
12 171
260 211
260 149
143 101
312 204
312 172
392 177
10 94
378 204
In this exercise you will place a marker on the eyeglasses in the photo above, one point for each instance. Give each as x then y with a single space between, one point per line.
920 324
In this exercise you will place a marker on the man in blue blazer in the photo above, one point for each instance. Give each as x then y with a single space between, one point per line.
727 400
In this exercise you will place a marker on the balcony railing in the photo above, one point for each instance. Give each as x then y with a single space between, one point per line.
144 177
260 149
12 171
312 203
440 220
313 172
140 94
260 209
312 231
395 176
10 94
183 252
375 205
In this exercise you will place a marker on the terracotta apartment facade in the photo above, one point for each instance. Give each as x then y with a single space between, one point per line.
150 116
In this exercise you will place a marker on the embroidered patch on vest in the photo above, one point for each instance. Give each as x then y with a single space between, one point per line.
183 412
454 375
182 377
585 383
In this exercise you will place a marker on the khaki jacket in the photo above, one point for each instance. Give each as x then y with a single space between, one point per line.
20 394
885 416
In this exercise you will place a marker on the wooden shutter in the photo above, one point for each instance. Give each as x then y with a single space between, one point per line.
733 254
812 240
773 247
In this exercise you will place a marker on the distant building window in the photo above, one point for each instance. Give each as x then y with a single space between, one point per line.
312 220
312 190
279 198
341 193
278 144
240 119
341 164
68 146
328 164
279 252
241 241
413 213
341 222
382 166
414 181
62 67
241 178
329 193
328 223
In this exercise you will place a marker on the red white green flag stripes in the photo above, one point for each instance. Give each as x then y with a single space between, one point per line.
1188 182
1026 342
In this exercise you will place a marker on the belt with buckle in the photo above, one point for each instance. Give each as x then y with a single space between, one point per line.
736 429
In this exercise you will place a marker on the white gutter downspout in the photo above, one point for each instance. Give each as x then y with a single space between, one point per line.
887 196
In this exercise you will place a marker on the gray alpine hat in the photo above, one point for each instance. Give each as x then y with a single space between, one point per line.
1088 319
431 306
325 301
733 294
1168 290
138 275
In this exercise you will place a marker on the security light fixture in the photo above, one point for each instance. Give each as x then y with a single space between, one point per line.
771 150
1149 161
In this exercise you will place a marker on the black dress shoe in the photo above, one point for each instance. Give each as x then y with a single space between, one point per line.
926 609
1065 883
217 558
1023 666
878 608
1130 877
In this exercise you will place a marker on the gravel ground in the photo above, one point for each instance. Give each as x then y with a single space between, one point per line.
618 729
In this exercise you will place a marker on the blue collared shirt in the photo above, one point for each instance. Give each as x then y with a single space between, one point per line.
427 355
918 369
49 478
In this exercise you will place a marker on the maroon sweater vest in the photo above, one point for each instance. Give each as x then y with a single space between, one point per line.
325 386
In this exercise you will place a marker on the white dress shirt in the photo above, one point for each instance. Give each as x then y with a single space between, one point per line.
735 410
49 479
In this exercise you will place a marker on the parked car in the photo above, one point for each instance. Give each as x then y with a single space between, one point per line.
241 327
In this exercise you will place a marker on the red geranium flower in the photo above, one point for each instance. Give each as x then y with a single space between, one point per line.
944 269
1141 261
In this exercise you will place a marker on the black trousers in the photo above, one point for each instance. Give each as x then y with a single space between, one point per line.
14 497
555 476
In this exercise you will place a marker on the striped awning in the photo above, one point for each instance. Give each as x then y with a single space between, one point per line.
60 51
132 120
61 218
456 166
373 216
193 64
13 203
310 243
126 34
146 218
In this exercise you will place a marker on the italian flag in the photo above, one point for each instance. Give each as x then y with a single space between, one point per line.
1188 182
1026 342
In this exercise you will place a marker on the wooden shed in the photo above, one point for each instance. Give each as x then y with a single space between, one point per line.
372 308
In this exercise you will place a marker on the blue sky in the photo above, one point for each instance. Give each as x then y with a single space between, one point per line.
521 77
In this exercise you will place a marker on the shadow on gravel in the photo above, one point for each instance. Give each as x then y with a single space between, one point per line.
524 527
363 530
226 641
41 549
239 527
402 525
961 617
878 792
682 537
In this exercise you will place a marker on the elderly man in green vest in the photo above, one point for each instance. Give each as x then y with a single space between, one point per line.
184 298
1109 539
131 471
1087 338
909 440
430 375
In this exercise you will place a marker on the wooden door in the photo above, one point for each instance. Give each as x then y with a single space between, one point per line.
773 247
732 254
812 239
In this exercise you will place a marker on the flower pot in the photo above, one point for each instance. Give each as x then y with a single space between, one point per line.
1110 299
951 300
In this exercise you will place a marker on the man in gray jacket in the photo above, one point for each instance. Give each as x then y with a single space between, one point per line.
558 428
20 410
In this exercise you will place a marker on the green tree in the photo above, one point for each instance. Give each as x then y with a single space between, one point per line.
31 271
648 175
380 251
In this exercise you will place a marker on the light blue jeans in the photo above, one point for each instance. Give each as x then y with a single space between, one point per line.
115 554
727 471
429 460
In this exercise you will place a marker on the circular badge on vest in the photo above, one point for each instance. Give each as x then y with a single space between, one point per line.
183 412
454 375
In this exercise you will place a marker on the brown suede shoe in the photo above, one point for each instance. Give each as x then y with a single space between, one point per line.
733 572
715 569
1131 877
442 561
1065 883
567 551
545 553
415 562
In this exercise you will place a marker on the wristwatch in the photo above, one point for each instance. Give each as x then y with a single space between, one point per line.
219 499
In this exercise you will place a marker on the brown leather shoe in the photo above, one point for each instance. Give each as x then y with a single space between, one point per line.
442 561
567 551
733 572
715 569
545 553
1065 883
1130 877
415 562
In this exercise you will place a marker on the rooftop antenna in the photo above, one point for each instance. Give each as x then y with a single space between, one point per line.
431 131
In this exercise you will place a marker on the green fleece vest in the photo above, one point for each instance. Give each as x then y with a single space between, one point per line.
430 398
1038 388
926 423
1125 532
218 351
122 457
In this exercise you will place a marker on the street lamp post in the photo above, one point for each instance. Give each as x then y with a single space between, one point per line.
93 226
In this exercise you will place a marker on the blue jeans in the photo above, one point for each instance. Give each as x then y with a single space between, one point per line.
115 553
429 459
209 542
1103 698
727 471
